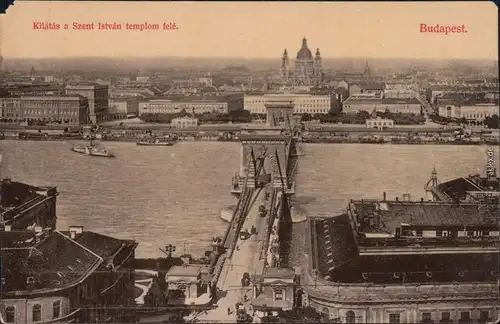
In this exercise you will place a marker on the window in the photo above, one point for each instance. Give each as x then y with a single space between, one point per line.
10 314
486 233
439 233
484 316
350 317
394 318
470 233
37 313
464 317
426 318
418 232
278 294
445 317
56 309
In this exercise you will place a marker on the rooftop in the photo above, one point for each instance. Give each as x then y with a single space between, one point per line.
388 215
49 260
336 258
184 271
15 195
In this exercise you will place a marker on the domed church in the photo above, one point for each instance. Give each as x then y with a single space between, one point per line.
307 69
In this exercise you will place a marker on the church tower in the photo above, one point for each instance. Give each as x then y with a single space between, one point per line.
367 73
285 67
317 65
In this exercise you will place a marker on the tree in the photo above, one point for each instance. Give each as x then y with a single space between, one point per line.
491 122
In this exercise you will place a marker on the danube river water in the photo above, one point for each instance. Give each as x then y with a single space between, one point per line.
173 195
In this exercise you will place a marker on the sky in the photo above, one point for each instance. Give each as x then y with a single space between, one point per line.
252 30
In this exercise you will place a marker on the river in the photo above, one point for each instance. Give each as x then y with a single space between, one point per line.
173 195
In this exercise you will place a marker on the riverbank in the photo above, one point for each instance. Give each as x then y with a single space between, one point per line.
397 141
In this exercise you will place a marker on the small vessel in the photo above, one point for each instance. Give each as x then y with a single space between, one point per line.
156 142
93 150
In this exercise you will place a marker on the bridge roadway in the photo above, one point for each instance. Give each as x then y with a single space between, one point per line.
245 258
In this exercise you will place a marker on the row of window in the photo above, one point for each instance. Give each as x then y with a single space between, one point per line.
36 312
465 317
456 233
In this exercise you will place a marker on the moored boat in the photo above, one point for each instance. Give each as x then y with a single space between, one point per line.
156 142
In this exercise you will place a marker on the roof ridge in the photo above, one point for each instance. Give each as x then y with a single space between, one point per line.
80 245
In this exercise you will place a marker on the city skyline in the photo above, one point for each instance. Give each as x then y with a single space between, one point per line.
253 30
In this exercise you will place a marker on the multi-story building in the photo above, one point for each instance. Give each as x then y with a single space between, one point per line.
23 206
122 108
307 69
303 103
97 96
194 104
477 112
406 262
68 110
355 104
50 276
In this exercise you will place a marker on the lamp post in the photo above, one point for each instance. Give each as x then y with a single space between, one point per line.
170 248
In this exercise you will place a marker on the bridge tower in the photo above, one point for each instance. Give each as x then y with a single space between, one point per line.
279 113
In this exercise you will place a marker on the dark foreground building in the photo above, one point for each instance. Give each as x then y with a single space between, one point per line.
405 262
51 276
24 206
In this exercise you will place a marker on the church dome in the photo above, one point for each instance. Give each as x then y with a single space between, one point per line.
304 53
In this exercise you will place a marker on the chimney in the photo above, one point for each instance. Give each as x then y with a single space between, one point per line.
397 198
385 196
74 231
7 228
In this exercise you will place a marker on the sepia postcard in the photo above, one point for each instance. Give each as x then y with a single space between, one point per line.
249 162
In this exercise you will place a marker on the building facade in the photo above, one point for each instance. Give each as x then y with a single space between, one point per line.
194 105
97 96
122 108
307 68
380 123
184 122
477 112
303 103
355 104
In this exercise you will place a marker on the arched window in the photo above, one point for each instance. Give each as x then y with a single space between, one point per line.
56 309
350 317
37 313
10 314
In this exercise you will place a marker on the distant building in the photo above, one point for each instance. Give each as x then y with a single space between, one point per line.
405 106
303 103
184 122
122 108
51 276
97 96
67 110
476 112
307 69
366 88
193 104
380 123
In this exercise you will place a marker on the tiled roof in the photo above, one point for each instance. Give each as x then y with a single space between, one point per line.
55 262
283 273
457 189
49 261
